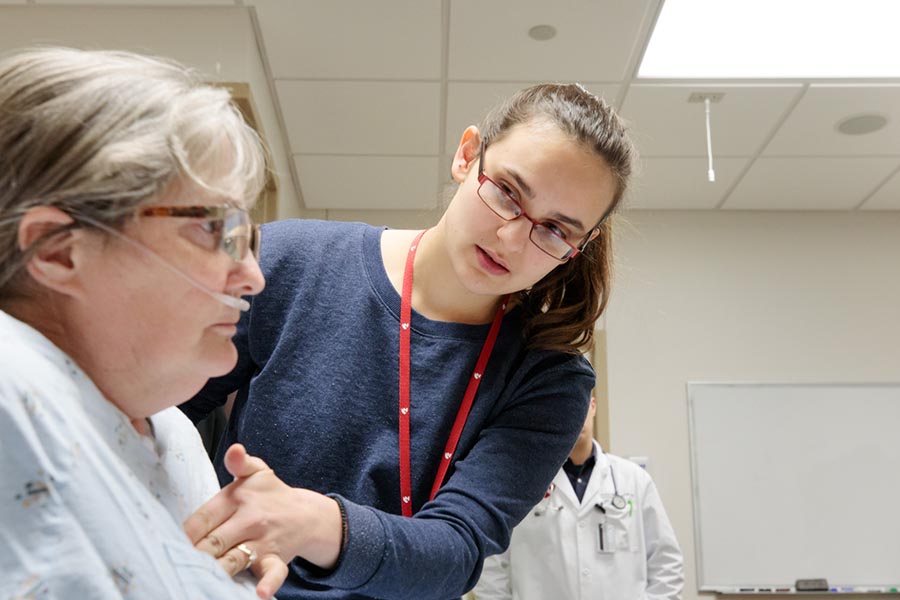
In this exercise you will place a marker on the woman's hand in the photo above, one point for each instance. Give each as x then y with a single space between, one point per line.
263 515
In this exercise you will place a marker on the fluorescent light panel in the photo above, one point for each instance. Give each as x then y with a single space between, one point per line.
774 39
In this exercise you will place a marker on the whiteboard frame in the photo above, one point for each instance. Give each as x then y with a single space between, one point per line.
695 490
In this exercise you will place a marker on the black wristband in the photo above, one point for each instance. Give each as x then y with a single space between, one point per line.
317 571
344 526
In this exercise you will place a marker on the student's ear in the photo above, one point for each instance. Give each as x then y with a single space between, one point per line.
52 264
466 153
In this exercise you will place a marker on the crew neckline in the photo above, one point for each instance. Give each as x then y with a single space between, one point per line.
384 289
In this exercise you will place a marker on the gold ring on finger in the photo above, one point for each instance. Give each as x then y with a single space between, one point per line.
251 554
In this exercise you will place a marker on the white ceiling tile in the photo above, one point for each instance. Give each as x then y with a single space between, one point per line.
827 183
681 183
368 182
811 130
343 117
468 103
349 39
664 123
595 41
887 197
385 131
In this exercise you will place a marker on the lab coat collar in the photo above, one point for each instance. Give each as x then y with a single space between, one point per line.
565 495
598 482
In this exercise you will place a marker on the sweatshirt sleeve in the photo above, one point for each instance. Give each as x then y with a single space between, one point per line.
439 552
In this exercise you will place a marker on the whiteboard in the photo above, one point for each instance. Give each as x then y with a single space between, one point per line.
795 481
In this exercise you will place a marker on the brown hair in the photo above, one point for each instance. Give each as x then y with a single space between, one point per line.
561 309
97 134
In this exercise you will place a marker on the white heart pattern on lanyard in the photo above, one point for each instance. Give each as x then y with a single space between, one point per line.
404 386
550 490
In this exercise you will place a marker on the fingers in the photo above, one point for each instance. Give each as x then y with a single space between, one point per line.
206 519
271 571
240 464
256 509
236 560
227 536
221 507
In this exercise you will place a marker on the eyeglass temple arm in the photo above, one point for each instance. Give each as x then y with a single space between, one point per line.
481 157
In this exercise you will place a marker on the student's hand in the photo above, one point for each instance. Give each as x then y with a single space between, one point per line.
268 517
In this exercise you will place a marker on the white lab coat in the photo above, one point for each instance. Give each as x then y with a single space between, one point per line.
554 553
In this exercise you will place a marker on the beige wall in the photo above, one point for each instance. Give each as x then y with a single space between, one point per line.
397 219
741 296
598 358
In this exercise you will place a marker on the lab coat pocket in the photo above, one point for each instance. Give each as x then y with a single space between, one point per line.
622 536
621 527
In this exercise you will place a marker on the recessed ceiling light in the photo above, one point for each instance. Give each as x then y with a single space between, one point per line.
542 33
774 39
861 124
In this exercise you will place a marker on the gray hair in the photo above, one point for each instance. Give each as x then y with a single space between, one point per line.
100 133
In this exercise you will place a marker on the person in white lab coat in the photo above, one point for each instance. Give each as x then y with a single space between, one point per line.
600 533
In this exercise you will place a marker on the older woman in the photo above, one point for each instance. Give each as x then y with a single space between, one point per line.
125 248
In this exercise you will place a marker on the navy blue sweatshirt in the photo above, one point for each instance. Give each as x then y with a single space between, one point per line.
317 382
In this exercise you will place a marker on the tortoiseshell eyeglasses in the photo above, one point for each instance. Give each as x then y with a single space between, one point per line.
235 232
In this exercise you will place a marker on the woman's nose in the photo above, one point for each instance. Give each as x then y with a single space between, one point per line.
515 234
248 276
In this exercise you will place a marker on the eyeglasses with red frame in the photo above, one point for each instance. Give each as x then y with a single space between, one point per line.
546 236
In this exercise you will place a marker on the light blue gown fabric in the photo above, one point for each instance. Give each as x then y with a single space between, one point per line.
89 508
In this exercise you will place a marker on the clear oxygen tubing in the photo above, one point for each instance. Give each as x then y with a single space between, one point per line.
229 301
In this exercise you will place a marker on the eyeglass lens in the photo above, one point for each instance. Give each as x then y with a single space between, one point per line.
507 209
240 235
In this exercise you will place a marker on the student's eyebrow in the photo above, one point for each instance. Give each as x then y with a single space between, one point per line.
526 189
567 220
528 192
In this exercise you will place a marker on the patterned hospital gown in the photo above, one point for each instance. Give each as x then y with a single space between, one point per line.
90 509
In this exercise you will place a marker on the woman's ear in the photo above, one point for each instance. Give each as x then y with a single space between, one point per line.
52 264
466 153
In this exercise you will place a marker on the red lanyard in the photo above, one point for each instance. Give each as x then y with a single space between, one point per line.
468 398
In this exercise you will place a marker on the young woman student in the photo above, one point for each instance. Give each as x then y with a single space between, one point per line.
415 392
